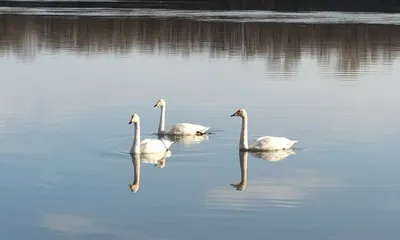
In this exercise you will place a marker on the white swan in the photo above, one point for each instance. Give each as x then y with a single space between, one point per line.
266 143
178 128
147 145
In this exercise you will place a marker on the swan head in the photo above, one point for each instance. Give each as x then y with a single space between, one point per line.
134 118
240 113
160 103
134 187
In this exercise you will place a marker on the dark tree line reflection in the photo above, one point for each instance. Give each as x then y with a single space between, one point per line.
389 6
350 45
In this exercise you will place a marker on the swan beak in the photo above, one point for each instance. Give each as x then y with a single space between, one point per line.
235 114
155 105
130 122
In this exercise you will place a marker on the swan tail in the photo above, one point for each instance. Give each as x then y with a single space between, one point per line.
202 132
291 144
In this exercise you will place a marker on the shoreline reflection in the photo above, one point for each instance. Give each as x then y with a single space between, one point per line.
339 45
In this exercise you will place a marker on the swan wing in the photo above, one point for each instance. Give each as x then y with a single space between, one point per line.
269 143
187 129
154 145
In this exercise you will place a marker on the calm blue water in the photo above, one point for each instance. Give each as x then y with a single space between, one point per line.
69 86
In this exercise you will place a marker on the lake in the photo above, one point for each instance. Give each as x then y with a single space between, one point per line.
71 80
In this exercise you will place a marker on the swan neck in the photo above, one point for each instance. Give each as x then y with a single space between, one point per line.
161 125
136 140
243 144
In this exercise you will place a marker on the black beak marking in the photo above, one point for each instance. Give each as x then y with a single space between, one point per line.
235 114
130 122
155 105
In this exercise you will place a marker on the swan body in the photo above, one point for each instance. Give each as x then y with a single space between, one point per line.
265 143
179 128
271 143
185 129
147 145
154 145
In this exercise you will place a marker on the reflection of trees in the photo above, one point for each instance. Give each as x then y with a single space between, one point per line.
282 44
272 5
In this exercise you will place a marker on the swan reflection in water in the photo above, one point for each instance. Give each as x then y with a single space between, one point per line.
185 139
272 156
157 159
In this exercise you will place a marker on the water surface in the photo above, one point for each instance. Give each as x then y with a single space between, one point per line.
70 84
